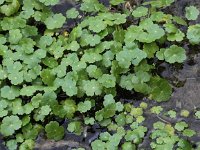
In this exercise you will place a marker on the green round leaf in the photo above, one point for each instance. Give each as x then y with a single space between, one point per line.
55 21
49 2
84 106
175 54
75 127
10 124
14 36
140 11
193 34
128 146
98 145
10 92
116 2
72 13
192 13
92 87
107 80
54 131
10 8
160 89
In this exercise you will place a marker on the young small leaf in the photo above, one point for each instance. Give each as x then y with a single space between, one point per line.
192 13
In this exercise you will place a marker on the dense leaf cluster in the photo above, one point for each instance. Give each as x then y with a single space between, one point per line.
44 75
